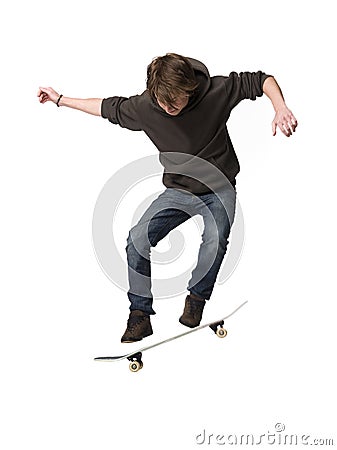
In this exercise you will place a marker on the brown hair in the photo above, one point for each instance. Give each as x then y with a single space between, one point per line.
170 76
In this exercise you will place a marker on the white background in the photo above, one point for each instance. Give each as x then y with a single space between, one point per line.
58 310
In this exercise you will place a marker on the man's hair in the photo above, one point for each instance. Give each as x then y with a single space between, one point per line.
170 76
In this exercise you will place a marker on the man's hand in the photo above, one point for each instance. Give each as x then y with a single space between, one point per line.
285 121
47 94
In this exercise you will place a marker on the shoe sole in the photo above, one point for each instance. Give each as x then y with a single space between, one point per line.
189 325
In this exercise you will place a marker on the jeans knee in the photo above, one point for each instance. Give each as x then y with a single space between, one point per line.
130 245
136 247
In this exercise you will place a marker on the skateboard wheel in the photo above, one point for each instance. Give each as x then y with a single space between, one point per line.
221 332
134 366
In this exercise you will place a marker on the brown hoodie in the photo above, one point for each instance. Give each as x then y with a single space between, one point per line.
199 130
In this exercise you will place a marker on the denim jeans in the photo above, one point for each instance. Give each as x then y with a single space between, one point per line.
170 209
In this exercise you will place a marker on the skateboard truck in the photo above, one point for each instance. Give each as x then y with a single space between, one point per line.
136 362
218 329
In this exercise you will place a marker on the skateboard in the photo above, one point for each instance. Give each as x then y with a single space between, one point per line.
135 357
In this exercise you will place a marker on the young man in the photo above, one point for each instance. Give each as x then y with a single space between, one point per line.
184 112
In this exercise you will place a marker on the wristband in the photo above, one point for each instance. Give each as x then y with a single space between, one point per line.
57 103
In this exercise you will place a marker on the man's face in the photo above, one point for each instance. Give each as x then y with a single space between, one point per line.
178 105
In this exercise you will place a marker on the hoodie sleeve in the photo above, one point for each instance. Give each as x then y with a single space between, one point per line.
122 111
244 85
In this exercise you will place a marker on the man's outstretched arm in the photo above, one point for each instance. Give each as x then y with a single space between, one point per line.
284 118
88 105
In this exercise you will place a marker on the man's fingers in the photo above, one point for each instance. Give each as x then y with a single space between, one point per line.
286 130
293 123
47 94
285 121
41 94
273 126
290 125
283 126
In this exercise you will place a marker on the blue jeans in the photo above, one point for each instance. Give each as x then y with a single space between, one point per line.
170 209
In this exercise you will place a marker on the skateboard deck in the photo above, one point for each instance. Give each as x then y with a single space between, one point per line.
135 357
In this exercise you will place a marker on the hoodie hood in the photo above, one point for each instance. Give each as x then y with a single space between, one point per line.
204 83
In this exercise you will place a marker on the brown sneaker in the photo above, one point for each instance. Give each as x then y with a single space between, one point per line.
192 314
138 327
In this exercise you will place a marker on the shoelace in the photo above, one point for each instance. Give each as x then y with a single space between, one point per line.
193 307
134 321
